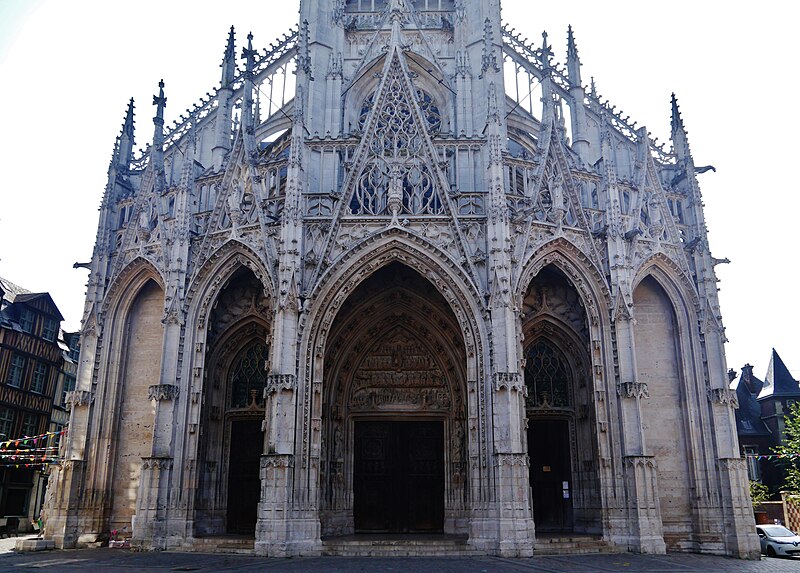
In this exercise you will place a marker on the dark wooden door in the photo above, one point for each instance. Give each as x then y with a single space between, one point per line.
244 483
551 474
398 477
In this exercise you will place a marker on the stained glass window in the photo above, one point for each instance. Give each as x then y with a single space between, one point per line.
249 377
547 377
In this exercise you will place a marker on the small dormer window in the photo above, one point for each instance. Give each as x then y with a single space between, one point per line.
26 319
50 329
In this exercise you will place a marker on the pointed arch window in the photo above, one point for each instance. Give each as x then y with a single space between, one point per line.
547 377
248 377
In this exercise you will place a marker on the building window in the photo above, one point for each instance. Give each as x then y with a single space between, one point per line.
753 469
249 377
69 386
547 377
26 318
50 329
74 348
30 424
15 371
6 422
39 381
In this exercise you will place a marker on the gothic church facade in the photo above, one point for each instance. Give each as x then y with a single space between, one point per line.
370 285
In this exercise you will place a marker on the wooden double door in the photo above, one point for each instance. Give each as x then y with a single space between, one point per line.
398 476
244 482
551 474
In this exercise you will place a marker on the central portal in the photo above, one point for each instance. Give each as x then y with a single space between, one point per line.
398 477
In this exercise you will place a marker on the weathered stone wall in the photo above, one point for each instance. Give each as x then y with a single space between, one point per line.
657 362
142 368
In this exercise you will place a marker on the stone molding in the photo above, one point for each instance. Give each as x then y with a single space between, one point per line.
278 382
633 390
162 392
513 459
157 463
511 381
277 461
79 398
648 462
723 396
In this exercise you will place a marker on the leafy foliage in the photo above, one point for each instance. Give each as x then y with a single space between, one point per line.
790 450
759 493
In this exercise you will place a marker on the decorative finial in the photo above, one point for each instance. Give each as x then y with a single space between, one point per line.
249 54
546 52
160 101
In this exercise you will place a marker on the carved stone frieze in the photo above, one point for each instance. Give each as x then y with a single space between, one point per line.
513 459
278 382
511 381
157 463
79 398
723 396
277 461
160 392
633 390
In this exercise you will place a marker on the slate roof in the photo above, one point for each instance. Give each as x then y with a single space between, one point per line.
778 381
748 415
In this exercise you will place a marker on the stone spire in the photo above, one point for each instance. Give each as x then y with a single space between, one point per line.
547 83
580 141
573 61
157 151
679 140
229 61
222 129
126 140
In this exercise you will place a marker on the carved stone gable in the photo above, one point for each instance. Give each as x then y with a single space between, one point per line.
397 177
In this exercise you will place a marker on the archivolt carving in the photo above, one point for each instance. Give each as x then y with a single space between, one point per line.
221 265
668 269
576 265
135 273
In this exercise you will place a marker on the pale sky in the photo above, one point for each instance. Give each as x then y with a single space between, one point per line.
68 69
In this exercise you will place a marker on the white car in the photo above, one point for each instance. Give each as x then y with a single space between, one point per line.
777 540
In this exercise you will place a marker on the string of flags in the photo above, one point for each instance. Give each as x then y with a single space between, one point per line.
776 457
30 451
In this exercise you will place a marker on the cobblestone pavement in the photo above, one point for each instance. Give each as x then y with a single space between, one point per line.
110 560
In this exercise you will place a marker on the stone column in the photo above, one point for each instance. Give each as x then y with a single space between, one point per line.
149 523
60 511
283 529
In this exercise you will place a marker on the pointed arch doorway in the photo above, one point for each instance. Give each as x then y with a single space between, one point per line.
561 435
394 411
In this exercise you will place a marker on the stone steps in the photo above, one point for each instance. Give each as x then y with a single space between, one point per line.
391 546
571 545
224 544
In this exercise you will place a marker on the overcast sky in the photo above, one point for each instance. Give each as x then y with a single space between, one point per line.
69 68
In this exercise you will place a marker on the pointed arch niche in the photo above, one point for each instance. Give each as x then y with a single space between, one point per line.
231 440
658 361
394 436
559 407
140 342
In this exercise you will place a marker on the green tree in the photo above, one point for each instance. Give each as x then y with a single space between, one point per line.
759 493
790 449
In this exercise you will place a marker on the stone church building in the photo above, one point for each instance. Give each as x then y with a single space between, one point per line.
402 273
